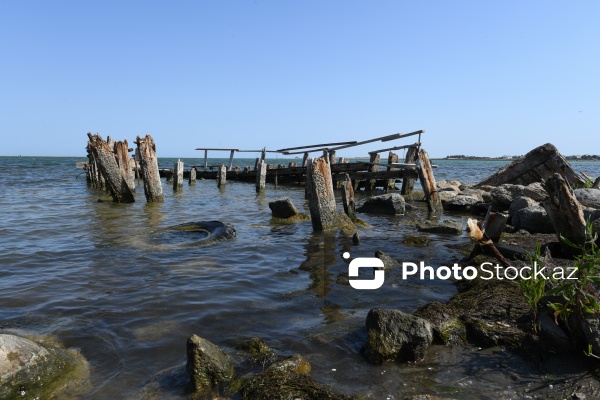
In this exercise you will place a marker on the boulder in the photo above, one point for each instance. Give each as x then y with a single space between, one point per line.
389 204
521 202
535 191
207 365
533 219
447 186
506 193
37 370
447 195
283 208
295 364
462 203
474 192
395 336
444 227
588 197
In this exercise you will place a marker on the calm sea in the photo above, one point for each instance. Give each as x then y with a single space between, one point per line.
88 273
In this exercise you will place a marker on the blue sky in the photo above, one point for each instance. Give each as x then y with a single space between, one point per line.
481 77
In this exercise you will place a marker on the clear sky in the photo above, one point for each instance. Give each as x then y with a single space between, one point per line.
481 77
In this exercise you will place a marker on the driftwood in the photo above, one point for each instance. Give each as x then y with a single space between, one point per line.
537 165
107 164
565 213
149 169
483 244
348 197
408 184
428 182
494 224
321 199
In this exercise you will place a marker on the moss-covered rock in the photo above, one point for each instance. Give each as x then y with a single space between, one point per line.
207 364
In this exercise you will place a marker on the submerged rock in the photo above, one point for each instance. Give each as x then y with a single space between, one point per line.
388 261
283 208
207 365
395 336
443 227
389 204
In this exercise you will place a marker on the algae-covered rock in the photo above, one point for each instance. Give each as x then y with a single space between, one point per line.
295 364
283 208
443 227
388 204
388 261
207 364
37 370
257 349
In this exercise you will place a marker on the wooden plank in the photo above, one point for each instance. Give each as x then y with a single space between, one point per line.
397 148
319 146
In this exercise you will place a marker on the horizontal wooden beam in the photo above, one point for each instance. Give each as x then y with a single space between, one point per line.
320 146
396 148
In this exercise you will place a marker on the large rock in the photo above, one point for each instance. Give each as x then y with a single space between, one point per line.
389 204
396 336
535 191
37 370
520 203
588 197
506 193
207 365
283 208
533 219
462 203
444 227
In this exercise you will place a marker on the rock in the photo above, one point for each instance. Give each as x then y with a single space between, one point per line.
447 329
588 197
388 262
535 191
533 219
389 204
295 364
506 193
283 208
591 214
257 349
355 239
415 195
590 328
478 193
462 203
395 336
446 186
444 227
416 240
207 365
36 370
520 203
447 195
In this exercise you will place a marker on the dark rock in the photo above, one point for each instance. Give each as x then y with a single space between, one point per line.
447 328
533 219
520 203
443 227
507 193
389 204
355 239
447 195
294 364
588 197
388 261
474 192
416 240
283 208
257 349
207 365
535 191
396 336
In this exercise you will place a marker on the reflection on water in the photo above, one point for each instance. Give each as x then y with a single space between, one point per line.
86 272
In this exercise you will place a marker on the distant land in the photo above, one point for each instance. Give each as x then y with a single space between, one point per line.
586 157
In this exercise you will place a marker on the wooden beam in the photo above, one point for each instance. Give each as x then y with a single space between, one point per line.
319 146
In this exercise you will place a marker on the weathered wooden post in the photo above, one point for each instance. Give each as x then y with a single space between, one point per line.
149 169
122 157
261 176
321 199
348 197
94 176
222 177
374 158
305 160
392 158
107 164
428 181
192 179
178 175
342 160
565 213
408 184
332 157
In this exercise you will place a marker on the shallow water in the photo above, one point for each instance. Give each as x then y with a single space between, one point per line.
97 276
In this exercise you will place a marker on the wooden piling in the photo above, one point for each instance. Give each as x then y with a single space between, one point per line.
348 197
222 177
332 157
122 156
94 177
321 199
261 176
392 158
428 182
192 178
408 184
149 169
305 160
107 164
178 175
374 158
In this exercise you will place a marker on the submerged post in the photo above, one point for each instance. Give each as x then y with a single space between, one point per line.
428 181
348 197
408 184
192 179
261 176
321 199
149 169
107 164
178 175
222 177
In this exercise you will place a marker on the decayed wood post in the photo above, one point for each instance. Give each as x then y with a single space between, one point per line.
565 212
332 157
408 184
107 164
374 158
149 169
428 181
93 175
178 175
192 179
392 158
122 157
342 160
261 176
305 160
321 199
222 177
348 197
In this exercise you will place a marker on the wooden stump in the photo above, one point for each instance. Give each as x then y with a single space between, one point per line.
374 158
565 213
107 164
121 150
408 184
348 197
178 175
94 177
321 199
149 169
305 160
192 179
261 176
392 158
222 177
428 182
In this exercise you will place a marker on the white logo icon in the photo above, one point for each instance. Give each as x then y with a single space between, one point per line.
366 262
